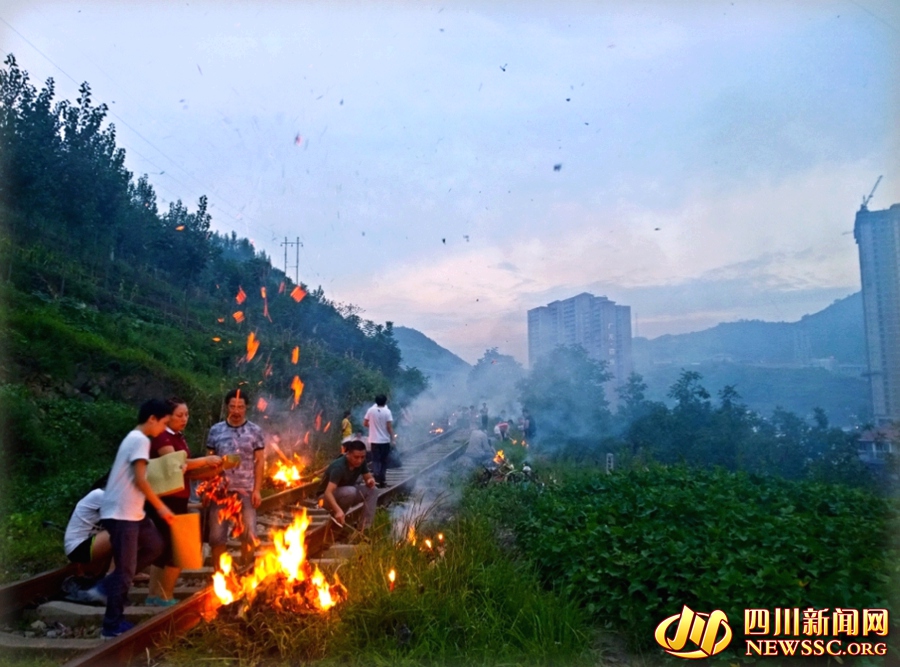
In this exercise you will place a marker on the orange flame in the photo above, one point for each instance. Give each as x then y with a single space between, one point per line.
392 577
298 293
216 339
499 458
440 537
241 295
283 574
287 475
262 404
295 355
297 387
252 346
238 316
262 292
411 535
428 543
179 228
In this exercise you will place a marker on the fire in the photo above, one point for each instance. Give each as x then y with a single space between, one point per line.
298 293
440 537
411 535
252 345
238 316
295 355
287 475
392 577
241 295
179 228
499 458
216 339
262 404
428 543
215 490
297 388
262 292
282 577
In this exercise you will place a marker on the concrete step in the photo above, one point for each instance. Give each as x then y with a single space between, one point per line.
80 615
138 594
340 551
59 648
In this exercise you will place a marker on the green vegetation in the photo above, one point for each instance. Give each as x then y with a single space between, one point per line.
469 603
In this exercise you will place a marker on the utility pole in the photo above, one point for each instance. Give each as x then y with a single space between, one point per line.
296 267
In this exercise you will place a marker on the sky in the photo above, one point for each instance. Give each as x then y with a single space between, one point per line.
448 166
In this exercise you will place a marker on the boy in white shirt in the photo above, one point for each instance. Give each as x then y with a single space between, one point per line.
136 542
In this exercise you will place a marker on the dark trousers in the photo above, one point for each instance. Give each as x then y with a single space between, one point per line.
135 545
380 453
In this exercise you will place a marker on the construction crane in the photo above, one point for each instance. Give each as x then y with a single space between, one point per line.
865 201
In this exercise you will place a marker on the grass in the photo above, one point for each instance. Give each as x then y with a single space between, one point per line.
470 602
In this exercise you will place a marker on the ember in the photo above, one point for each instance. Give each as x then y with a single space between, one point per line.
179 228
215 490
238 316
252 345
499 459
392 577
298 293
262 404
297 388
241 295
282 578
295 355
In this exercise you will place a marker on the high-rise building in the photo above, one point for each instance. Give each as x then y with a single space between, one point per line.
601 327
878 235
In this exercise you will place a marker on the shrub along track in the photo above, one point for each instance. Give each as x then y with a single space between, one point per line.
19 598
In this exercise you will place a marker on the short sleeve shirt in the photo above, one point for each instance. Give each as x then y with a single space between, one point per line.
340 472
84 520
170 438
123 500
242 440
378 418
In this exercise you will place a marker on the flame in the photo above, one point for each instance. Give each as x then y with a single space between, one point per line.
262 292
220 582
215 490
428 543
282 575
241 295
411 535
287 475
440 537
297 388
295 355
179 228
238 316
392 576
262 404
216 339
499 458
298 293
252 345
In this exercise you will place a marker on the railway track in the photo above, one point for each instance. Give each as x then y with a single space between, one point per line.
32 597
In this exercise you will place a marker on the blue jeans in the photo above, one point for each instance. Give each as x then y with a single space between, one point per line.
135 545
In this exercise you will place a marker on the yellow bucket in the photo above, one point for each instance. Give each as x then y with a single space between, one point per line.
186 551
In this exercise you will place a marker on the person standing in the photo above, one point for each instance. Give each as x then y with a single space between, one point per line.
162 579
237 436
346 428
380 423
135 540
484 417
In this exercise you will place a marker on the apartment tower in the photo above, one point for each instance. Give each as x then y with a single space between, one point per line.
600 326
877 234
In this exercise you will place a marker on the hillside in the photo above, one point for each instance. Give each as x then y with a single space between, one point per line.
837 331
437 363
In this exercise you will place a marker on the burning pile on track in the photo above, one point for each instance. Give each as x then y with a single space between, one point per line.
282 578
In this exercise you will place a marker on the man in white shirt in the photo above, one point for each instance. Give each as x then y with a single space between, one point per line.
380 423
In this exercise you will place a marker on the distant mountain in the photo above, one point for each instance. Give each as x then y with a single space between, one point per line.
835 333
436 362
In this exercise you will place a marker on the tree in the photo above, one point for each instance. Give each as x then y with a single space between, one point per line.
565 393
493 379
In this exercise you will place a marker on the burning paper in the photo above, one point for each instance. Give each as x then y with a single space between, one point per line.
252 346
298 293
241 295
295 355
297 388
282 577
238 316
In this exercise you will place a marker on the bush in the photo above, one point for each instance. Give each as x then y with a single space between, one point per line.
634 547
